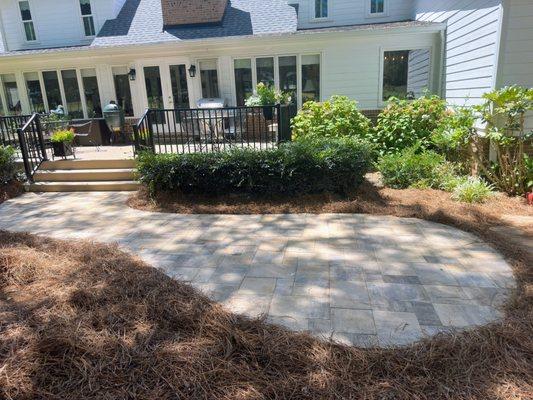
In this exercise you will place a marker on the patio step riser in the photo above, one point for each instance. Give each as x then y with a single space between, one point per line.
85 176
124 186
87 164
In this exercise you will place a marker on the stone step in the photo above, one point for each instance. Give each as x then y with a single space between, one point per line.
84 175
95 186
87 164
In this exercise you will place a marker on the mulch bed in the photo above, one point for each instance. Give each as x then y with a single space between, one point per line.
85 321
12 189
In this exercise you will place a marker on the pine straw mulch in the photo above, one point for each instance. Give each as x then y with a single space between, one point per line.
81 320
12 189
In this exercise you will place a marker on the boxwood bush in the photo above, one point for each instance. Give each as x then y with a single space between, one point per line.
8 169
335 165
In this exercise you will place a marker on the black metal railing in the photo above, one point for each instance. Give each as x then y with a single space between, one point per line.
213 130
32 146
8 130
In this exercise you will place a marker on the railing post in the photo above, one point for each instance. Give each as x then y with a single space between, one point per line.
25 156
41 138
136 141
150 130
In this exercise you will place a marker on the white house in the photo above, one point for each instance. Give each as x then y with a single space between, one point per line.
83 54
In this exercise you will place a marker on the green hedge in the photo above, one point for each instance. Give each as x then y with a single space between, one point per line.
8 168
335 165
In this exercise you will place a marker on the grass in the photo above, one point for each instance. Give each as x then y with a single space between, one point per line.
85 321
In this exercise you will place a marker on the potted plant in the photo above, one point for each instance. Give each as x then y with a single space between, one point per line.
267 96
62 143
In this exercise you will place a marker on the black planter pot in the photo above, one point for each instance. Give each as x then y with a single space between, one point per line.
268 112
62 149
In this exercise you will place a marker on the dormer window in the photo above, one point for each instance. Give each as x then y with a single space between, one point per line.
377 8
87 17
321 9
27 22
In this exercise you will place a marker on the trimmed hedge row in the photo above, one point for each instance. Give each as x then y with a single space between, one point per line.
333 165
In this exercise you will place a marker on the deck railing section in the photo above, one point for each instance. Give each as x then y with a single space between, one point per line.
8 130
32 146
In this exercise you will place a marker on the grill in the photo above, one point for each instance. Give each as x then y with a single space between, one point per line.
211 103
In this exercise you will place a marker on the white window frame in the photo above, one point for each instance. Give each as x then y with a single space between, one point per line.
22 22
82 17
381 103
41 84
196 62
314 18
385 12
276 72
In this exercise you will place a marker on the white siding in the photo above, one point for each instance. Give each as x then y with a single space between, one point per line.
351 12
471 45
517 47
57 22
419 71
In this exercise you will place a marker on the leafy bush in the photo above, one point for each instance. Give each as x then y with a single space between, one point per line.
472 190
412 169
336 117
404 123
267 96
64 136
8 170
302 167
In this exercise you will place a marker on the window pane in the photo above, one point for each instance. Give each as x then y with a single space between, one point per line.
310 78
288 80
377 6
321 8
12 94
91 93
265 71
85 6
51 87
122 90
35 94
243 80
88 26
209 78
29 31
72 93
25 12
381 6
180 91
405 73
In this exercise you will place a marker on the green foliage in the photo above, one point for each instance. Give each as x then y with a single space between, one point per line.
334 118
472 190
409 168
8 170
64 136
405 123
296 168
267 96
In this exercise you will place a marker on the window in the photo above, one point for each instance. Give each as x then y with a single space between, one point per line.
11 92
122 89
244 86
52 90
35 94
321 8
27 22
405 73
377 7
91 93
288 76
265 70
180 91
209 78
310 78
87 17
72 93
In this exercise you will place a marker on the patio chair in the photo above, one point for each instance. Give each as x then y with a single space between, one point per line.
85 130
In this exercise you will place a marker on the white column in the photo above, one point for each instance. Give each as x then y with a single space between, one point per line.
106 85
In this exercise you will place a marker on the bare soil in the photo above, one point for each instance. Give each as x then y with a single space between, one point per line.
80 320
12 189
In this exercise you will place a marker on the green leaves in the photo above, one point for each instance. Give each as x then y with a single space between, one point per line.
8 170
64 136
336 165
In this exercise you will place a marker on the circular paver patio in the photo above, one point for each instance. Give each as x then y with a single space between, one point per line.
359 279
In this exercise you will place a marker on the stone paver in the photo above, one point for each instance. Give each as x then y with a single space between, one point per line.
357 279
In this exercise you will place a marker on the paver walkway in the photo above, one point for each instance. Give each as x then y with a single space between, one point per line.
359 279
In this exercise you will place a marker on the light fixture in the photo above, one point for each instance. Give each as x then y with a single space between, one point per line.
192 71
132 74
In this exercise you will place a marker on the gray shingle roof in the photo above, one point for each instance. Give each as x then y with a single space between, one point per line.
141 21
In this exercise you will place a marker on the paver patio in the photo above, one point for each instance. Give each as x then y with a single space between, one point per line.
359 279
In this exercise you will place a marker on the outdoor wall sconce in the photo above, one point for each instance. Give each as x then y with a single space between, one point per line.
132 74
192 71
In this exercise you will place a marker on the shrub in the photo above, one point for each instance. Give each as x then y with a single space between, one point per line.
472 190
336 117
8 170
404 123
64 136
299 168
267 96
411 169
